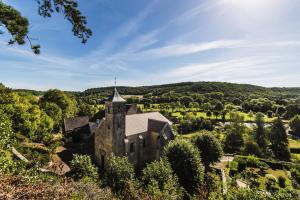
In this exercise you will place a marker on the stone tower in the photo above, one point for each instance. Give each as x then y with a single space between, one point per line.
115 116
109 138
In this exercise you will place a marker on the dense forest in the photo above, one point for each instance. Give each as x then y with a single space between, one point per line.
257 129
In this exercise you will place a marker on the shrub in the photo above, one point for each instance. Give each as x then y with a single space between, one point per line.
91 191
234 167
271 183
7 136
83 168
245 194
295 175
281 181
185 162
154 178
249 161
8 165
252 148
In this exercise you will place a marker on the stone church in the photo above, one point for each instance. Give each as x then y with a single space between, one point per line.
124 132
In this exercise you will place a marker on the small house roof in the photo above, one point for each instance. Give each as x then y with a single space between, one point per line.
75 122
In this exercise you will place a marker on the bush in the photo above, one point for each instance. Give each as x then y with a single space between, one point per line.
90 191
281 181
185 162
120 175
154 178
249 161
8 165
234 166
252 148
83 168
271 183
7 136
295 175
245 194
295 150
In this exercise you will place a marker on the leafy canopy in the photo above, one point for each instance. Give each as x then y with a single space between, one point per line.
82 167
209 147
159 181
18 25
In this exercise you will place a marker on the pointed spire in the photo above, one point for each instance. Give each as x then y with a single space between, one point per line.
116 97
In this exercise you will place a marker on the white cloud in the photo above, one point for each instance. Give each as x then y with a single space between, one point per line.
190 48
261 70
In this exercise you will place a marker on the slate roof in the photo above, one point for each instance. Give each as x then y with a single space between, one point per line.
116 97
155 125
75 122
139 123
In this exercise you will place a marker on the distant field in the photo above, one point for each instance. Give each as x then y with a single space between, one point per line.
132 96
294 143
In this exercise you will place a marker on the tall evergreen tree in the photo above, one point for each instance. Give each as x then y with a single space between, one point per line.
186 164
279 140
260 132
209 147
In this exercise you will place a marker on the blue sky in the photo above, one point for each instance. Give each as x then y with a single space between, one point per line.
147 42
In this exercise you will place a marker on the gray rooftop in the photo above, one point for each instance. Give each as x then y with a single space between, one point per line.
138 123
75 122
116 97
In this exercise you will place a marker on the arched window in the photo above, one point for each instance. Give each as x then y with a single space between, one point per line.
132 147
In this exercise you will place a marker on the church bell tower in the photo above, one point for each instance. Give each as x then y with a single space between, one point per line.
115 114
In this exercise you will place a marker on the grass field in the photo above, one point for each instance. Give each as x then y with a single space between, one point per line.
294 143
247 118
276 174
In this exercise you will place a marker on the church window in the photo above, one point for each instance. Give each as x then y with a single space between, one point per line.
118 123
102 162
158 142
108 126
131 147
144 143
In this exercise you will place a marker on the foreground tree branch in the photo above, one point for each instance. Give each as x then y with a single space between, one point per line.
17 25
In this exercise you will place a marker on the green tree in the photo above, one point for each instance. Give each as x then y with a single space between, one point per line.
6 95
252 148
279 140
18 25
260 132
160 182
209 147
66 102
86 110
186 101
219 106
7 136
185 162
55 112
295 125
234 140
119 174
82 167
